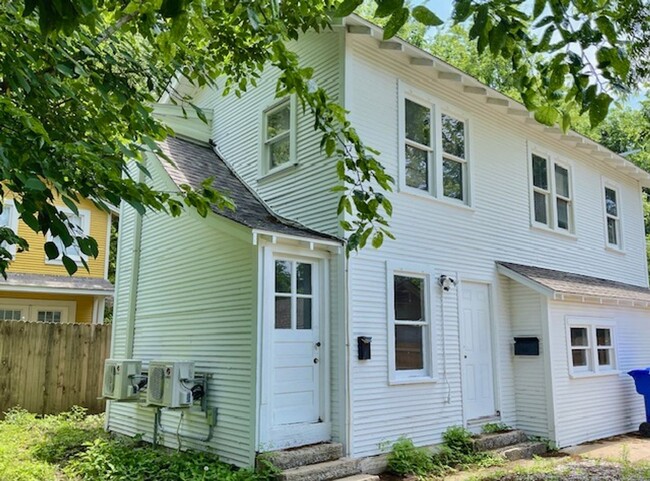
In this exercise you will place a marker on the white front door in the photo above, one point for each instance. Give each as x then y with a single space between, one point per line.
294 412
476 351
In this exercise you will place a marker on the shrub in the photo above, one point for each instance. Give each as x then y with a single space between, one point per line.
491 428
406 459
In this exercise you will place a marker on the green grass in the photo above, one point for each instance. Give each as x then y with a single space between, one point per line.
74 447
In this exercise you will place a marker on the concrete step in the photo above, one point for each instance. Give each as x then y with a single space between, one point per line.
305 455
360 477
490 442
525 450
327 471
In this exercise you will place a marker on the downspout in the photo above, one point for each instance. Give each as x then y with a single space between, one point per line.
134 278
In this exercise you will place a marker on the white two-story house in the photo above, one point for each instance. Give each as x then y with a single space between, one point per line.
516 289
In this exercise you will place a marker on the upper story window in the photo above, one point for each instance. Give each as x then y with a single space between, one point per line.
591 346
551 193
279 136
612 216
410 325
9 218
79 226
434 156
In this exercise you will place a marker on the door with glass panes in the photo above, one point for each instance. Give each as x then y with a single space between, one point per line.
296 399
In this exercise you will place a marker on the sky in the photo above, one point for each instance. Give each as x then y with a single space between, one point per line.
443 9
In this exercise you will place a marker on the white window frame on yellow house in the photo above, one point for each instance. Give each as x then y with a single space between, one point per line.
84 217
12 222
31 307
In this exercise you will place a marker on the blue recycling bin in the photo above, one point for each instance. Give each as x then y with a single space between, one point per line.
642 381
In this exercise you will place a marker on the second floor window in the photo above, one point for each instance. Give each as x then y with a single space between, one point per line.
9 218
612 218
552 198
79 226
278 136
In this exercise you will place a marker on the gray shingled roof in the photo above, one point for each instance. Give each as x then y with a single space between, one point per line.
195 163
73 283
576 284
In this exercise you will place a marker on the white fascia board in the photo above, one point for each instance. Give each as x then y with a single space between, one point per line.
309 240
56 290
525 281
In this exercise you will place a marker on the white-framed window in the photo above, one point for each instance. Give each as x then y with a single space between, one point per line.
434 148
551 192
294 294
410 324
591 344
9 218
37 310
78 225
279 136
612 210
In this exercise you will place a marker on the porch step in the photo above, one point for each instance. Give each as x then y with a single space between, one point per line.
490 442
360 477
305 455
327 471
525 450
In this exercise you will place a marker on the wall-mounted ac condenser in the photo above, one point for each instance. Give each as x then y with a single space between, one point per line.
120 379
169 383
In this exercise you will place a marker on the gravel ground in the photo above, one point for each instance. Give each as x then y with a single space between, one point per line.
584 470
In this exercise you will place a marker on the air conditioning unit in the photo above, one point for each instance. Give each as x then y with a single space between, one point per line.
169 383
120 383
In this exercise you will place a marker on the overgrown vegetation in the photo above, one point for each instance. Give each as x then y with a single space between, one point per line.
73 447
491 428
456 453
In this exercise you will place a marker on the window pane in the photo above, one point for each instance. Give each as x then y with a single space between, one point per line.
540 172
303 319
562 214
418 123
278 122
612 231
282 276
541 210
303 273
408 348
56 316
17 315
562 181
603 337
283 312
579 357
417 168
40 316
5 216
452 179
604 357
579 336
409 298
280 151
453 136
611 203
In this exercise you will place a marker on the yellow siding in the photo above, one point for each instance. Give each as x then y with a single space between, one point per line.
33 261
84 303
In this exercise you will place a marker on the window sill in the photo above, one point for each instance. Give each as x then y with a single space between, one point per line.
590 374
616 250
428 197
59 262
412 380
278 172
548 230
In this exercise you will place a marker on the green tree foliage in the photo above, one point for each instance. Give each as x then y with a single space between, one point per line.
78 77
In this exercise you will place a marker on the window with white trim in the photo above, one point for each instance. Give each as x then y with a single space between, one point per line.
9 218
434 153
612 217
278 136
294 295
552 196
591 346
78 226
410 333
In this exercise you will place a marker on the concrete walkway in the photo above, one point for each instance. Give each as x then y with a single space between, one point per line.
630 447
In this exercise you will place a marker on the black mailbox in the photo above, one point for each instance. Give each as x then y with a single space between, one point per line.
526 346
363 343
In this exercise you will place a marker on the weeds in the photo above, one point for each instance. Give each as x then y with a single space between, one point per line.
492 428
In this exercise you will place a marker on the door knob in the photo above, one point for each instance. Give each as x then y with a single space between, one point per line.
315 360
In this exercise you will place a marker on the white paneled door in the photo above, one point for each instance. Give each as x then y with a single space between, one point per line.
294 411
476 351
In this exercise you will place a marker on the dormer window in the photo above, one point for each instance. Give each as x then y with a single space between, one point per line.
279 136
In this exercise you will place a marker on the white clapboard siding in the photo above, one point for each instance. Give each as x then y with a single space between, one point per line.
530 373
465 241
596 407
302 193
195 302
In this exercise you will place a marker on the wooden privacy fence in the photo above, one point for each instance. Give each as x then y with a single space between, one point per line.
47 368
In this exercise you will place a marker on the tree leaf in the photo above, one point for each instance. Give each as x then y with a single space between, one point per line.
51 250
547 114
425 16
386 8
69 264
607 28
397 21
538 8
347 7
599 108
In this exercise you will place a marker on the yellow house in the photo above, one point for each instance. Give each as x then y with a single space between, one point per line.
40 289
